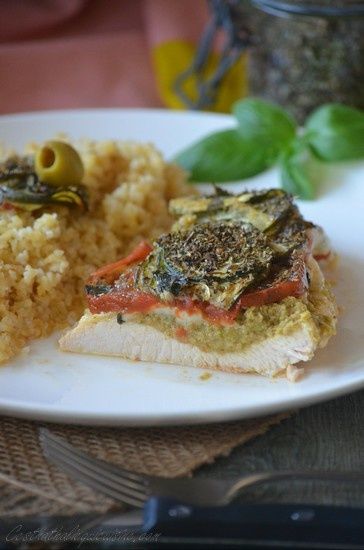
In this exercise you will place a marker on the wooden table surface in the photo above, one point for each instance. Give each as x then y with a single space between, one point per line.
325 436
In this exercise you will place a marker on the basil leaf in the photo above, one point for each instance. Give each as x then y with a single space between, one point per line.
297 174
336 132
268 123
223 156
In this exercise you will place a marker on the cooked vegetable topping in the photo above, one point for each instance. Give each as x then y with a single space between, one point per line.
112 271
224 245
271 211
22 187
221 250
226 253
260 208
205 258
57 163
286 279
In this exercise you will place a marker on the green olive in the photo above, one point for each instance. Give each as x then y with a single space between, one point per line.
57 163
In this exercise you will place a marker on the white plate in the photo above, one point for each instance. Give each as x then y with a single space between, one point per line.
55 386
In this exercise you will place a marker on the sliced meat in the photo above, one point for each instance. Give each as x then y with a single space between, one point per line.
102 335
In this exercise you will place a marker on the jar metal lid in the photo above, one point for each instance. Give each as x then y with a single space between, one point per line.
284 9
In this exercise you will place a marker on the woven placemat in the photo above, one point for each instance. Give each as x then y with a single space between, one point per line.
30 485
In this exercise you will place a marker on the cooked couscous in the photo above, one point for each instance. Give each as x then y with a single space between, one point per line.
46 255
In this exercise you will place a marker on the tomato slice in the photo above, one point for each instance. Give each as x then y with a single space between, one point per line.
320 257
112 271
114 301
122 298
294 283
7 206
125 298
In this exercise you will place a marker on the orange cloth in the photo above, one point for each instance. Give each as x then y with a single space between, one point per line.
98 53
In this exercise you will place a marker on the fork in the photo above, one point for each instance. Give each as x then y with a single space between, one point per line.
135 489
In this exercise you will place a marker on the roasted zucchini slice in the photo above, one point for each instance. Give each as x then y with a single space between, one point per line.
212 262
260 208
20 187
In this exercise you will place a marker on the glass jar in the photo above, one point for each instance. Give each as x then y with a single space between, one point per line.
305 53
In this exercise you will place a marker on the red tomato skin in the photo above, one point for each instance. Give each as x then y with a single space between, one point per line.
116 302
181 334
112 271
320 257
125 298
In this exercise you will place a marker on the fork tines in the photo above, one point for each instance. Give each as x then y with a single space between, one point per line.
114 482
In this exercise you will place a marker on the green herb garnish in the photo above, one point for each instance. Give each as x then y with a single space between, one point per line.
224 156
266 135
20 187
265 123
336 132
296 170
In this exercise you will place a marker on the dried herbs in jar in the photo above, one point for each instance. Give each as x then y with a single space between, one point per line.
306 53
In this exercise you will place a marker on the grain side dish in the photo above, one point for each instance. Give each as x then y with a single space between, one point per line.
46 254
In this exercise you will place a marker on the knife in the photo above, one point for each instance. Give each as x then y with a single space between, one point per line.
166 523
257 525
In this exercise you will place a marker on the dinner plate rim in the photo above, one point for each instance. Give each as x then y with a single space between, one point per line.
57 414
115 110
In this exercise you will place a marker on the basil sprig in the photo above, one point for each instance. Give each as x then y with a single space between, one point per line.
265 123
266 135
224 156
336 132
297 169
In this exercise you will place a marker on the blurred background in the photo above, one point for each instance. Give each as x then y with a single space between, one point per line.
197 54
